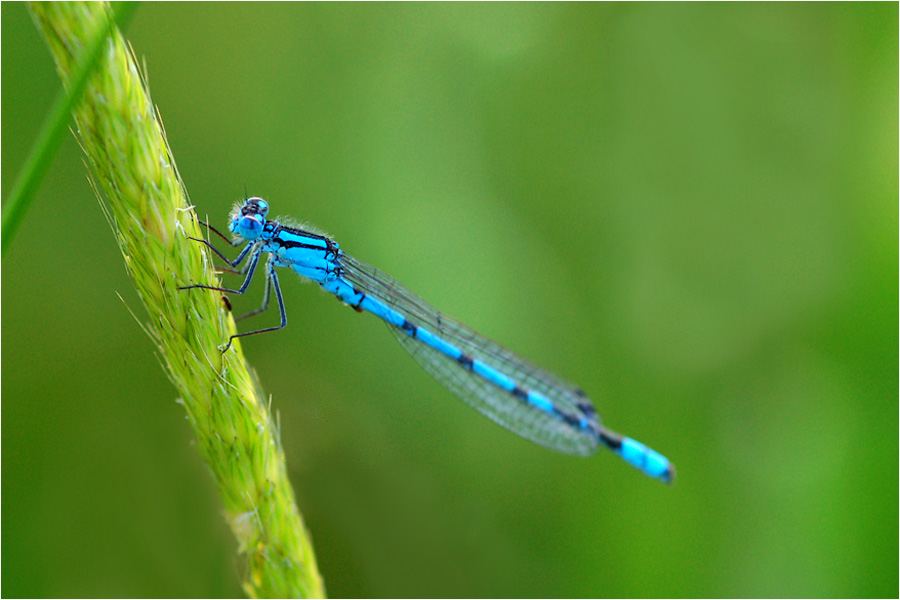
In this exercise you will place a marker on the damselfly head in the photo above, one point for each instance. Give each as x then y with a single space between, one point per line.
248 219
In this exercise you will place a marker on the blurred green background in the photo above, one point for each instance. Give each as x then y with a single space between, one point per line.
689 210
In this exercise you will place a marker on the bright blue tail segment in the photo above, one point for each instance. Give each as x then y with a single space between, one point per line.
509 390
638 455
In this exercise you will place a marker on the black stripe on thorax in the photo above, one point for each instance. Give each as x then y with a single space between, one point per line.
305 233
330 246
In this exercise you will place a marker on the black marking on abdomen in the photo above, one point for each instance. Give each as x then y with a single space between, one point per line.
466 361
612 440
409 328
586 408
569 419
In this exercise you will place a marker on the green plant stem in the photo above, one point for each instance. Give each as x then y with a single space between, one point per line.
54 127
133 167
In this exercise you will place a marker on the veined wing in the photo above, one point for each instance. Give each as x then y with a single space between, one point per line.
545 428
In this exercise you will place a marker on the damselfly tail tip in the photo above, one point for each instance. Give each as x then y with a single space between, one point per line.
668 477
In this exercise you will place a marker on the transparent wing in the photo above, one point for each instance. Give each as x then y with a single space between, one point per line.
497 404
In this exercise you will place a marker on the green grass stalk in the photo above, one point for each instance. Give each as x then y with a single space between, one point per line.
132 165
52 131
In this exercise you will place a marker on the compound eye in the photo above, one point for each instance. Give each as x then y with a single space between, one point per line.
262 207
250 227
